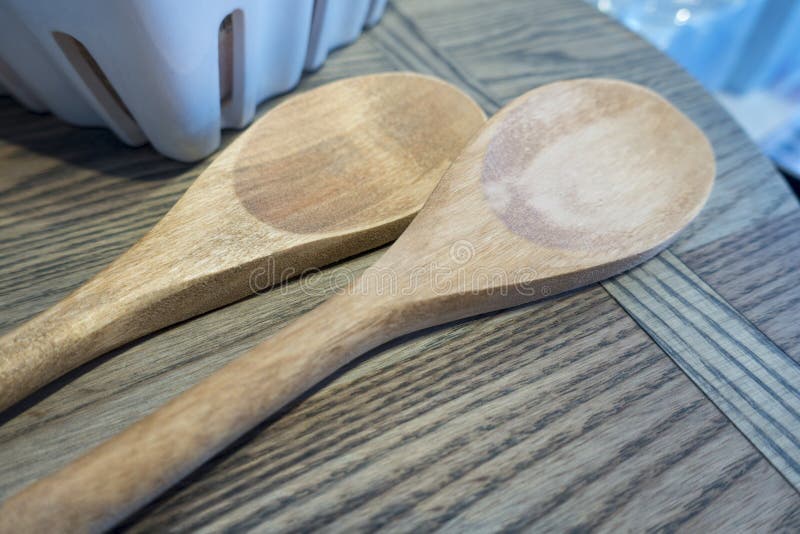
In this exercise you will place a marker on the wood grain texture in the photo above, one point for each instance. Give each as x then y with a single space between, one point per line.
746 374
517 217
328 174
755 271
508 419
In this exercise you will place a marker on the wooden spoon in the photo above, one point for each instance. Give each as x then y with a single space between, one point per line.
569 184
325 175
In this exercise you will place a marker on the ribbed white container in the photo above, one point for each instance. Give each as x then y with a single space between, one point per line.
168 72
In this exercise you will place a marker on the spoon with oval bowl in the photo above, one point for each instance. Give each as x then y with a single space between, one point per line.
330 173
569 184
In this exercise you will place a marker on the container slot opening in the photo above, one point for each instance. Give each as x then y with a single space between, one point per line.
314 57
226 59
99 85
231 70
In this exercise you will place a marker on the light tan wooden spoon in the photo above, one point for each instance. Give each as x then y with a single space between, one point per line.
567 185
327 174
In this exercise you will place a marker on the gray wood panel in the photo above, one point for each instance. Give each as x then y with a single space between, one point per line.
563 413
747 375
756 271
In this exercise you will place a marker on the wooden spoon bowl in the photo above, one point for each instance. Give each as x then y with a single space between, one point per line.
327 174
567 185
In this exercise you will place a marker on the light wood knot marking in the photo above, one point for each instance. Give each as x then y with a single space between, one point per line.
540 182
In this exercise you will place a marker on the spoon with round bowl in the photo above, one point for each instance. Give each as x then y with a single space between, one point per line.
325 175
567 185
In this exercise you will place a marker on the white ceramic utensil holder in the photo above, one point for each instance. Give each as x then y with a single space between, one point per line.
168 72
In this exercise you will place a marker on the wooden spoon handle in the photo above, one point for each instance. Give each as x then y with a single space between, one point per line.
117 306
89 322
132 468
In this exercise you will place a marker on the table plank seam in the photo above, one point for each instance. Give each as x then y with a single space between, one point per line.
741 370
400 27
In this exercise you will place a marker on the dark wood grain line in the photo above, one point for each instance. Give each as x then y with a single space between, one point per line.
712 491
586 478
749 377
705 436
756 272
722 377
518 440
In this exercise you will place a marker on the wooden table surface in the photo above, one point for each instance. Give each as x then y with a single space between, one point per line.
666 398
